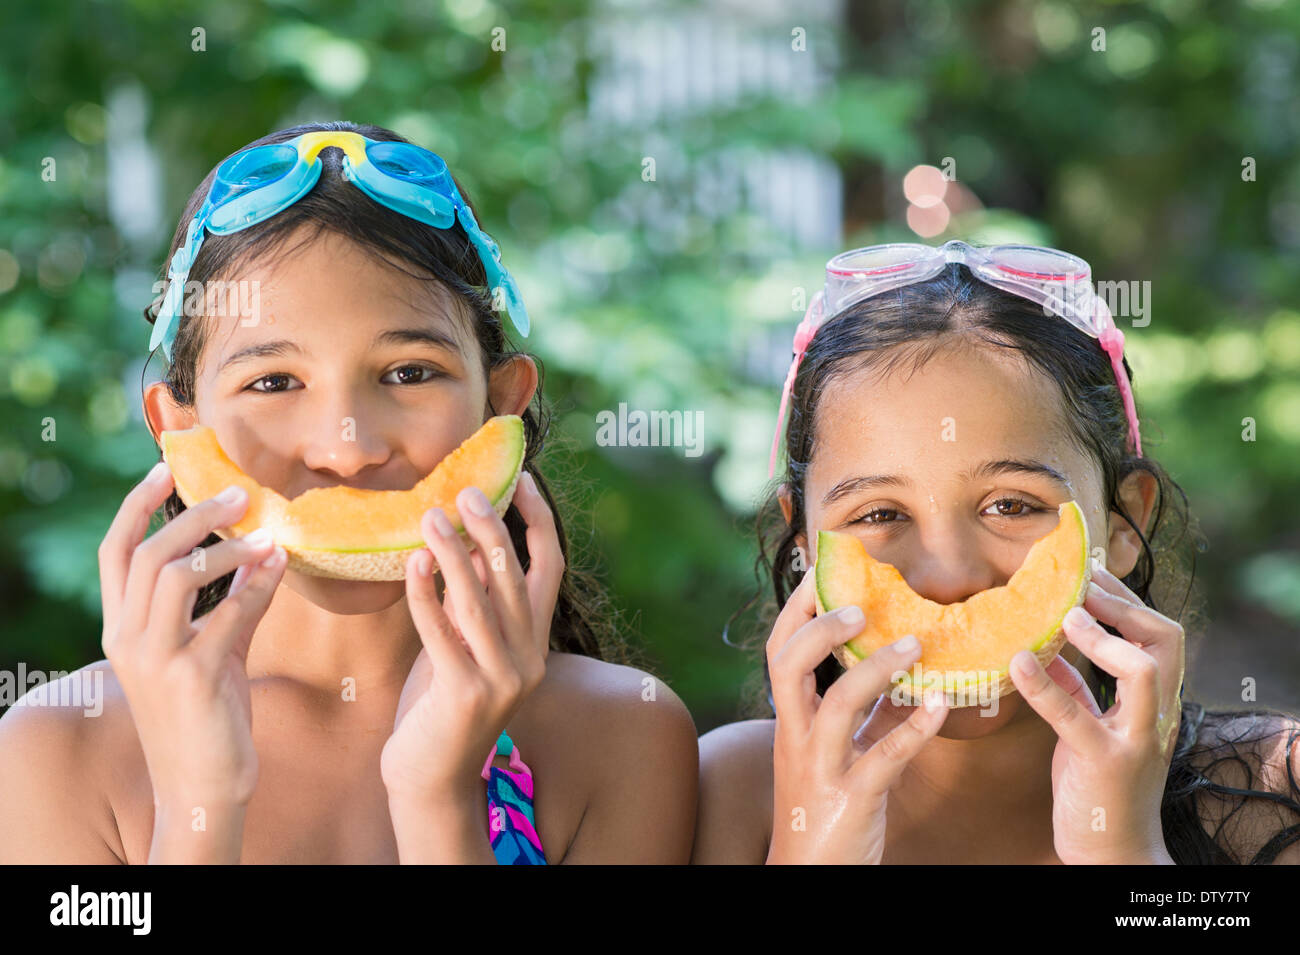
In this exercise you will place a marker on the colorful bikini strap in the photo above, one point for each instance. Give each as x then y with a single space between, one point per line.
512 824
505 746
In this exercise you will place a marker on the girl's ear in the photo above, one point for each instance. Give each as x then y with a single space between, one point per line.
162 413
787 509
1137 493
511 385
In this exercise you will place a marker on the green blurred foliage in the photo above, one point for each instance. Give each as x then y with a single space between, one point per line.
643 292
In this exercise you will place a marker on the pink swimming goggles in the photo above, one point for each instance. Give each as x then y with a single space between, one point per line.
1060 282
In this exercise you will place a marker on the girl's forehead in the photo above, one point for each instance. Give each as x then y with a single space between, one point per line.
332 290
331 267
961 407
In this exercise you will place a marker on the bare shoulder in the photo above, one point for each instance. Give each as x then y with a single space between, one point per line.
735 815
60 745
624 714
1257 751
631 741
630 697
741 749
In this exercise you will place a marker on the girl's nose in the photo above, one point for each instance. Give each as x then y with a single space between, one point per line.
345 445
947 566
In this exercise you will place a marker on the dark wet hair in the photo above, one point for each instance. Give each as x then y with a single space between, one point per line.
907 327
584 621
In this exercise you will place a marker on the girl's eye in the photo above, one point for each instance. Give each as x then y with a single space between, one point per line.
1015 507
277 377
881 515
406 375
414 379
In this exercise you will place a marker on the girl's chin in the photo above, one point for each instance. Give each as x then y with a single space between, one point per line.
972 722
345 596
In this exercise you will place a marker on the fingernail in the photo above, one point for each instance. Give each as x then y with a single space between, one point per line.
442 524
1097 566
258 538
230 495
157 473
907 644
851 616
274 557
1078 617
424 564
1024 662
476 501
529 484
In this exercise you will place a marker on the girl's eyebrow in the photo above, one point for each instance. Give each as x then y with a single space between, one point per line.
850 485
271 349
1010 466
393 336
987 469
417 336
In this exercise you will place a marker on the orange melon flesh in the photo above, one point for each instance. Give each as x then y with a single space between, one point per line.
967 645
345 532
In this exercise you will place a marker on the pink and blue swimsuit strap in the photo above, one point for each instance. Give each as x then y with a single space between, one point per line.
511 823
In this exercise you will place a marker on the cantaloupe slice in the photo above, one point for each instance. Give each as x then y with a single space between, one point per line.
345 532
965 647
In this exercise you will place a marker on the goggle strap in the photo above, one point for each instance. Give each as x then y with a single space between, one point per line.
803 337
780 416
169 312
498 276
1112 342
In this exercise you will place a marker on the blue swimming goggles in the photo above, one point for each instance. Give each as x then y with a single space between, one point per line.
253 185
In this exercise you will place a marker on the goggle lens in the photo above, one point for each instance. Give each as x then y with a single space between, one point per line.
252 170
1039 265
883 261
848 273
415 166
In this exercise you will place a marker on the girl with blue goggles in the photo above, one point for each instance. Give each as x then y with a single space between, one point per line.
255 184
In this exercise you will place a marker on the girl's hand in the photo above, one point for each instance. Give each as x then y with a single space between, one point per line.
481 658
832 772
186 681
1109 771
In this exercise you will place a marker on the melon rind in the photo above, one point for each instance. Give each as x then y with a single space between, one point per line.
958 691
201 469
380 564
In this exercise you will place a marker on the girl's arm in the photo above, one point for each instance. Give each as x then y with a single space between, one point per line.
52 810
54 805
185 680
480 661
486 643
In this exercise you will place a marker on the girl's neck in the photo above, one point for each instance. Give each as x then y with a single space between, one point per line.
1009 770
327 651
982 799
1008 765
